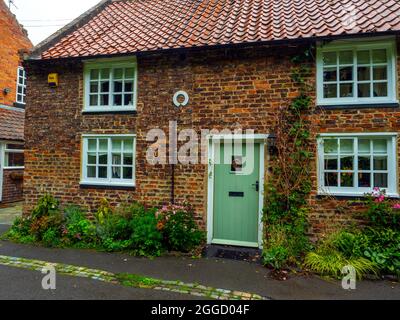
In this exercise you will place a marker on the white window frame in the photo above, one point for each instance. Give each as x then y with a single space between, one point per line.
11 151
112 64
354 45
109 181
21 85
391 190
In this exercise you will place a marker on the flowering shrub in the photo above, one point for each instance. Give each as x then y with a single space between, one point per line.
142 231
381 211
179 229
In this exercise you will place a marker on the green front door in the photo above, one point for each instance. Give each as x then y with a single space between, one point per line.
236 197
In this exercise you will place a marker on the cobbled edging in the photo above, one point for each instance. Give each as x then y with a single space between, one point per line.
126 279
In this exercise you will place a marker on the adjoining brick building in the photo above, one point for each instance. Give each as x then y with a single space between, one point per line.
14 43
120 65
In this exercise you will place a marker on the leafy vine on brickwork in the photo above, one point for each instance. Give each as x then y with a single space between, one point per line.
289 185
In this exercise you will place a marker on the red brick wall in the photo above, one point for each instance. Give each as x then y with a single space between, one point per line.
12 40
227 88
12 186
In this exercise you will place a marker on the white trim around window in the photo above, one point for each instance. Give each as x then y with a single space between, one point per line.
352 164
357 71
108 160
110 85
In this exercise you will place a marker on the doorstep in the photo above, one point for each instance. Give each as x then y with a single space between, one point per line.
233 253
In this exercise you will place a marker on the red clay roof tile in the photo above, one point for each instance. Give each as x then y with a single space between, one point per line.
146 25
11 124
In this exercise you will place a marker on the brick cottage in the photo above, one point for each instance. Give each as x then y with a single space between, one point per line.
120 65
13 43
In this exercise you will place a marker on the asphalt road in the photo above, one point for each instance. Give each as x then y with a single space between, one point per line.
219 273
20 284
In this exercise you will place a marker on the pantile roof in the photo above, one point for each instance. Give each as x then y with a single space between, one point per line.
130 26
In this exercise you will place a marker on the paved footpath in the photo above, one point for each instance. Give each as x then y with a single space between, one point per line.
232 276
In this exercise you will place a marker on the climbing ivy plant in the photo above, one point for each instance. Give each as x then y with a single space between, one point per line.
289 185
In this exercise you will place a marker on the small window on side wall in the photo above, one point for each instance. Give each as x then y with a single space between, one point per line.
356 72
14 156
354 165
21 85
110 86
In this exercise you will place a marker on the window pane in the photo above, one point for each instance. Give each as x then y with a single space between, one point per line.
103 145
128 173
116 159
331 145
346 163
103 172
103 158
91 172
92 144
346 146
380 89
117 86
105 86
128 99
380 180
380 73
346 90
329 58
13 159
379 56
94 100
363 57
364 146
380 146
116 145
116 172
330 91
118 73
92 156
364 180
94 74
94 87
331 179
346 74
128 159
346 57
364 163
128 145
363 73
11 146
364 90
331 163
346 180
128 86
104 100
330 74
118 100
380 163
105 73
129 73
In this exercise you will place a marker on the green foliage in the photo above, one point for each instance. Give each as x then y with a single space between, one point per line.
47 206
332 262
179 228
130 228
146 238
51 237
286 208
77 227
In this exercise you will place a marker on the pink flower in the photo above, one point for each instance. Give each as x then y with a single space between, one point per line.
396 206
381 198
